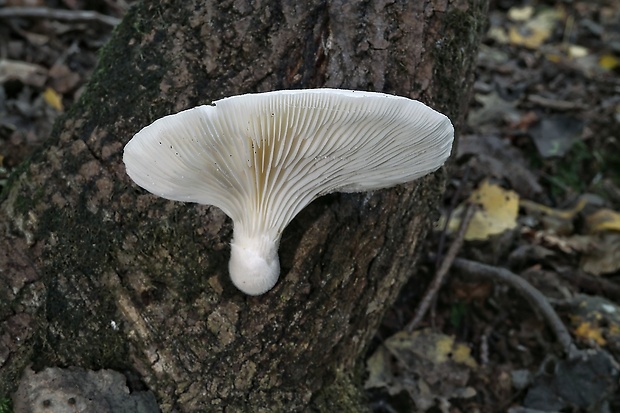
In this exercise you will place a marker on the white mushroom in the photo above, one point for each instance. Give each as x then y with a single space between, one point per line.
263 157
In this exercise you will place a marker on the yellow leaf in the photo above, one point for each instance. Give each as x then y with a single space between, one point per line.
435 347
603 220
565 214
498 211
608 62
589 332
53 98
379 369
534 32
519 14
498 34
558 221
553 57
462 354
530 38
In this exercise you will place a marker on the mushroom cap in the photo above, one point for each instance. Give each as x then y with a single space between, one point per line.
263 157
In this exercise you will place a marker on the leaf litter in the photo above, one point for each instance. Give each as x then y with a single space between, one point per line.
541 135
540 155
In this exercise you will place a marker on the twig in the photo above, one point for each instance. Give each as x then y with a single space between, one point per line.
590 284
441 273
58 14
527 290
554 104
451 208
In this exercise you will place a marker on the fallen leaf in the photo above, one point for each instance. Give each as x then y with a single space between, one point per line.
520 14
492 156
27 73
498 212
434 347
430 366
555 135
608 61
596 319
603 220
557 221
53 99
493 108
568 245
590 333
63 79
603 258
380 371
534 32
498 34
567 214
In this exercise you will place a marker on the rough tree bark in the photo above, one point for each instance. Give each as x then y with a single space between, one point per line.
97 273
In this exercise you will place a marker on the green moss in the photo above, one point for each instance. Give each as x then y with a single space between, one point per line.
343 394
456 53
119 65
78 310
5 405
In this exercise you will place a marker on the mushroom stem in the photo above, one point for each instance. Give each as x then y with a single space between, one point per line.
254 264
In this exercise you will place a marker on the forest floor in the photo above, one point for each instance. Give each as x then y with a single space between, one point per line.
527 250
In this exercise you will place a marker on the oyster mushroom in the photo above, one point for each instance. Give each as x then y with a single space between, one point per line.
262 158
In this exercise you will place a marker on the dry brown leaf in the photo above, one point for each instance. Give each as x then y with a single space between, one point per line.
63 80
430 366
604 258
27 73
534 32
568 245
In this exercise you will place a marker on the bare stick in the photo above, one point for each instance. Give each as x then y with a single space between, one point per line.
527 290
58 14
440 275
451 208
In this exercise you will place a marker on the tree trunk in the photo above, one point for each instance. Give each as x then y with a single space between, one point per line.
97 273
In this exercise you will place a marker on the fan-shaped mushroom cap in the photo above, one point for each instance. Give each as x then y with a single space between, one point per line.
263 157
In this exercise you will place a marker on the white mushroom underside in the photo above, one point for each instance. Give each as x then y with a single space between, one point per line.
262 158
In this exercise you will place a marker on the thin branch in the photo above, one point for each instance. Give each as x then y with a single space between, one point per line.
554 104
592 284
451 208
527 290
58 14
440 275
